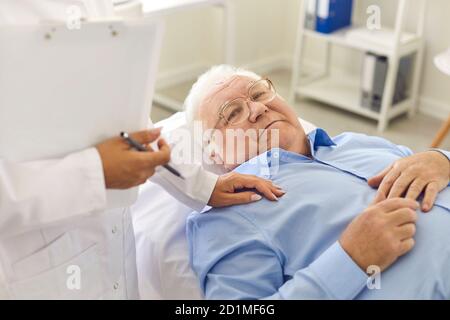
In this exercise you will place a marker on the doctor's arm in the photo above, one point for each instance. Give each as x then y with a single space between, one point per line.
36 193
248 265
200 187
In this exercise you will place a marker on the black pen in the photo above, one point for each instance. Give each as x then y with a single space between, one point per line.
140 147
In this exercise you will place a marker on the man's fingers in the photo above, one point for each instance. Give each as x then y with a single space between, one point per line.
376 181
406 231
404 216
400 186
415 189
146 136
406 246
387 182
431 192
379 197
391 205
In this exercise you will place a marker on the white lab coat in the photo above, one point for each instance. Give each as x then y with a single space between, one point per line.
57 241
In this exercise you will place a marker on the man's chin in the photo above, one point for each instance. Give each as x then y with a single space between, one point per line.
273 137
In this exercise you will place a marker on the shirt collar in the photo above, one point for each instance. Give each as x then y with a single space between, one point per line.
319 138
265 164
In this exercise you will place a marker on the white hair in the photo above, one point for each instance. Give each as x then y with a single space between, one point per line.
206 82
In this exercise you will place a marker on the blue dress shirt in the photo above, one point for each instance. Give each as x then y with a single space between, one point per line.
289 249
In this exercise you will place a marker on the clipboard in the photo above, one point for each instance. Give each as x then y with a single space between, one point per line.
63 90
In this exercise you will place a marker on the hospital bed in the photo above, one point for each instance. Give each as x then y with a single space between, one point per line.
161 244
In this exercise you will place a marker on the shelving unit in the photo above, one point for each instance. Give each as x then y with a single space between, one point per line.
161 8
344 91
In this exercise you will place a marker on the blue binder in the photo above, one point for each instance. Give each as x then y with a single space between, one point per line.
333 15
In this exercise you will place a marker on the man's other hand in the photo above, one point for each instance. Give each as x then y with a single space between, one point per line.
426 172
382 233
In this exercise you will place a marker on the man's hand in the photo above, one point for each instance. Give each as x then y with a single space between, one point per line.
426 172
226 191
124 167
381 234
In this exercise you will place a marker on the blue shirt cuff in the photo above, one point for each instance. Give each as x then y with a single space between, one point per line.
445 153
339 274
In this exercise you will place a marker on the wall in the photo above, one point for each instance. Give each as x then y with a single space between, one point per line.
434 90
265 33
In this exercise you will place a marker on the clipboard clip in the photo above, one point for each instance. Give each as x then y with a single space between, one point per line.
76 24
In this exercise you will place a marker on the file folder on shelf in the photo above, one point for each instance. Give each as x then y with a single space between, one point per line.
367 80
333 15
403 79
373 80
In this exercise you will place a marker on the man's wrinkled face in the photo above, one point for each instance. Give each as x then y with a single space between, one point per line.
266 125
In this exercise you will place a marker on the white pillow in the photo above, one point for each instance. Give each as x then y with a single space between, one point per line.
161 245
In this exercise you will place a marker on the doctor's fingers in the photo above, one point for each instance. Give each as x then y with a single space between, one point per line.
145 137
237 198
156 158
264 186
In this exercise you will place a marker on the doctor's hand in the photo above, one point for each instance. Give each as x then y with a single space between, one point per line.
226 191
381 234
426 172
124 167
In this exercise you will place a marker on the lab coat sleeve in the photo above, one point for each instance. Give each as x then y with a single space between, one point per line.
194 190
251 267
42 192
198 184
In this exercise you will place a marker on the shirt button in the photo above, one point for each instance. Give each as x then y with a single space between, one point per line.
116 286
114 230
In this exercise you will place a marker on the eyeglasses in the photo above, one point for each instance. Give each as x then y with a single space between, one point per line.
237 110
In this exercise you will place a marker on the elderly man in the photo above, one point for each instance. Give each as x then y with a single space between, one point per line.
333 226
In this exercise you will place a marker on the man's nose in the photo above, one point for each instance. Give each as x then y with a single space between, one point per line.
257 109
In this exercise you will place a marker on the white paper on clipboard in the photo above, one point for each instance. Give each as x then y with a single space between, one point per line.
63 90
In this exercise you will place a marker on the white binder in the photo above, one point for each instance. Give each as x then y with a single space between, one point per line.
310 18
64 90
